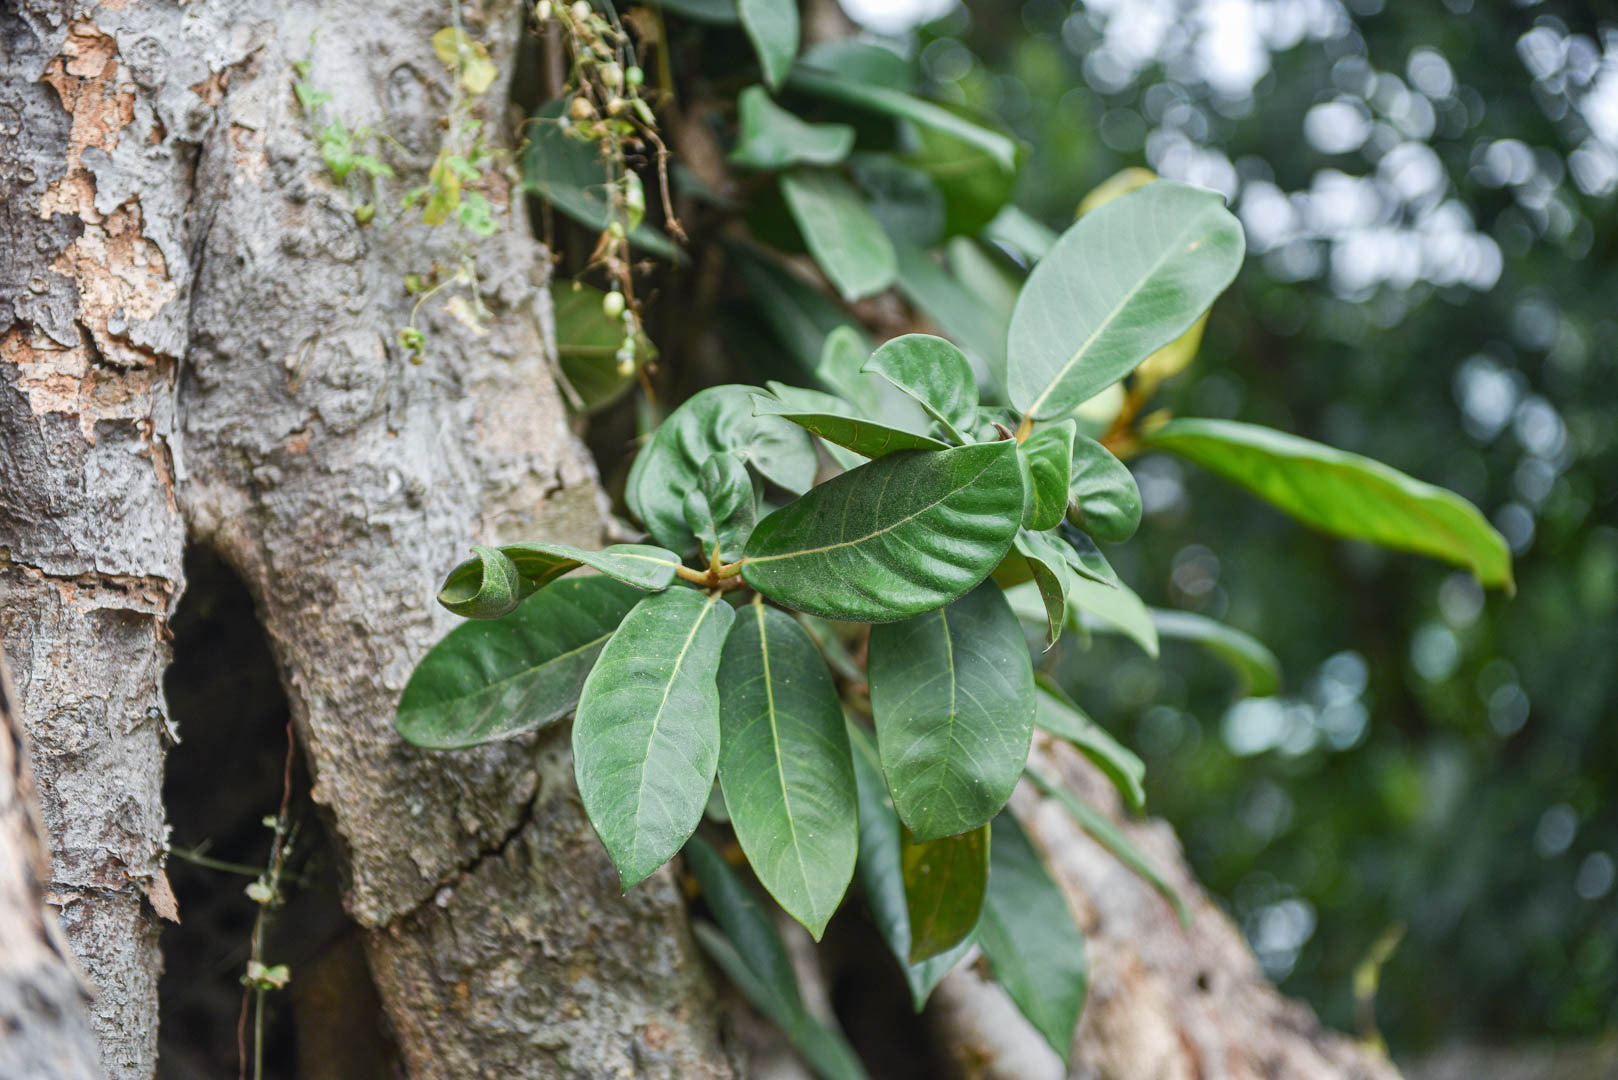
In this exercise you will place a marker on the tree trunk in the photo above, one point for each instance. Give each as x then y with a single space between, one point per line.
199 340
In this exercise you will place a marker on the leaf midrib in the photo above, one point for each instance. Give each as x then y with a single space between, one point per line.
780 762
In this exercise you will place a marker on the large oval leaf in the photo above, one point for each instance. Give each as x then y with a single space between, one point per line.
945 882
488 681
784 765
952 695
717 420
1123 281
1344 494
882 875
847 242
892 538
1029 936
646 739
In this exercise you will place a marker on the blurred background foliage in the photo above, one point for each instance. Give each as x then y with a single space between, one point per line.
1428 191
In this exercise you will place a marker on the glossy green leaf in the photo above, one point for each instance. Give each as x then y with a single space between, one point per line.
934 373
862 94
882 875
893 538
865 437
646 738
945 882
1093 606
1123 281
952 696
1085 558
1047 460
487 681
799 401
773 138
587 344
784 765
847 242
570 176
1105 500
1110 836
1056 713
1248 657
1048 563
721 509
748 948
772 26
486 586
841 365
717 420
1030 938
1344 494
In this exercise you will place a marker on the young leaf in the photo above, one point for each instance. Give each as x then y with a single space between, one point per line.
952 695
893 538
933 372
945 882
1056 713
476 583
773 138
1105 501
484 681
721 509
866 438
846 241
772 26
1109 836
646 738
1093 606
882 875
1344 494
486 586
754 958
714 421
1029 936
784 765
1048 462
1053 577
1248 657
1123 281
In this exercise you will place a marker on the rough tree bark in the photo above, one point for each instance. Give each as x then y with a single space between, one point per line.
197 339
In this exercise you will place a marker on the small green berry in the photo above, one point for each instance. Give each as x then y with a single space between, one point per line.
612 304
634 75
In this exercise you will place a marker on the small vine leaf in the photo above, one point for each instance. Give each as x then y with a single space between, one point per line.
1104 498
646 737
784 764
484 681
933 372
945 882
1047 456
893 538
952 697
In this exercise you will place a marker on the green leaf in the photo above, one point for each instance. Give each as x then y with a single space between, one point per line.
903 199
754 958
1016 231
1109 836
882 875
973 180
721 509
933 372
945 882
955 306
718 12
472 587
773 138
646 738
796 401
772 26
865 437
1029 936
487 681
952 695
1105 501
486 586
841 368
1093 606
805 78
1056 713
893 538
1048 563
1085 558
587 344
570 176
1047 456
1344 494
1123 281
861 62
799 316
784 765
846 241
1251 659
714 421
